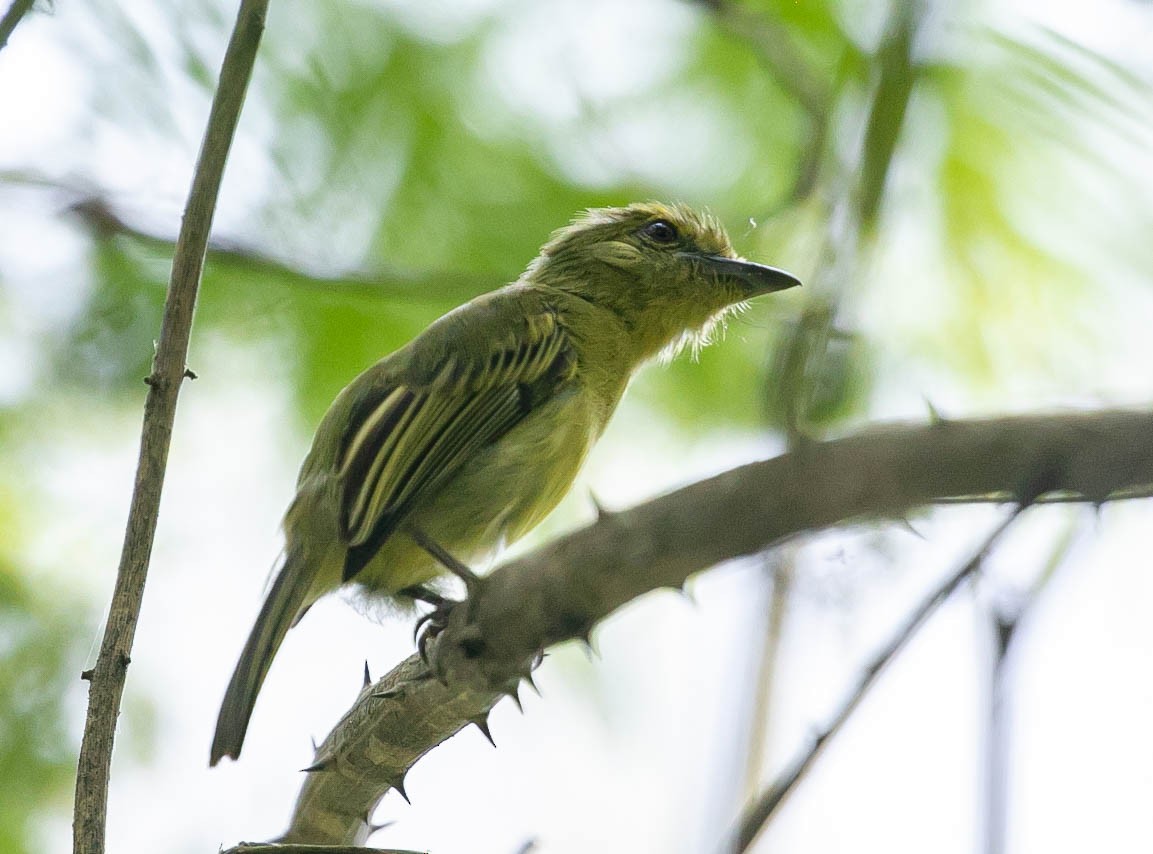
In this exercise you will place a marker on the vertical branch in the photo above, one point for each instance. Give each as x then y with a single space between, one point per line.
894 89
770 658
801 360
1006 621
168 371
997 743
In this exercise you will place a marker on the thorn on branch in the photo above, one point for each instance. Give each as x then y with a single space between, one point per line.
936 419
376 828
586 642
1045 477
481 723
685 593
398 784
819 738
325 763
514 695
367 676
603 514
907 524
86 675
1006 626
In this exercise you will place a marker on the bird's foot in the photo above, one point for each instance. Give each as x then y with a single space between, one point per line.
431 624
434 622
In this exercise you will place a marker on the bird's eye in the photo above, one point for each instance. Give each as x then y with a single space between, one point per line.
660 232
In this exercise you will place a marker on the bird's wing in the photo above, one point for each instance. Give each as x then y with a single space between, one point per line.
417 434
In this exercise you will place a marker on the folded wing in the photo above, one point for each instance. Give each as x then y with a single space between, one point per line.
404 449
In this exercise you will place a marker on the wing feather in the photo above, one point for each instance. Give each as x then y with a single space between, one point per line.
419 435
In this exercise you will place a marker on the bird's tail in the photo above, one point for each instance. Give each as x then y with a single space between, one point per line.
285 603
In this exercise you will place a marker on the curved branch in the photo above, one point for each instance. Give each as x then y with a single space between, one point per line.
168 372
562 590
12 17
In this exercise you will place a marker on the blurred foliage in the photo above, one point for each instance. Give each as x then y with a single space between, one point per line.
398 148
39 662
397 158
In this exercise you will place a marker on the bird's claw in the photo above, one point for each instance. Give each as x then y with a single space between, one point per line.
429 625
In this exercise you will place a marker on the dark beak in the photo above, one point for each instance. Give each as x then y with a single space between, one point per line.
754 279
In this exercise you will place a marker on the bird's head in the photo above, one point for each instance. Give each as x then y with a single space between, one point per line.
668 272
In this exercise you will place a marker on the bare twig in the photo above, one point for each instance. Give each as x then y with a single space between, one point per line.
168 371
12 17
769 649
766 806
562 590
804 356
997 738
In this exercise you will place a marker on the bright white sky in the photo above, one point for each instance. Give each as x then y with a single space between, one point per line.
634 751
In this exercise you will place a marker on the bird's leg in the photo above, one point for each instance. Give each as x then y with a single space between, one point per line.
433 623
471 579
425 594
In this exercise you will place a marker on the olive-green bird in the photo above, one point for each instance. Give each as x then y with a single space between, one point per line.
469 435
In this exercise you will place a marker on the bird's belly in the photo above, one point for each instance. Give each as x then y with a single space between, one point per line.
496 497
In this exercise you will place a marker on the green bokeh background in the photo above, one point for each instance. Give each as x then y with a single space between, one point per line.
962 186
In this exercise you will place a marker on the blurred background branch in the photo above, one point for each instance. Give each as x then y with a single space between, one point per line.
762 811
1006 618
817 370
229 260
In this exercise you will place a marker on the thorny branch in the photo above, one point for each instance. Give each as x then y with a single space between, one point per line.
562 590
